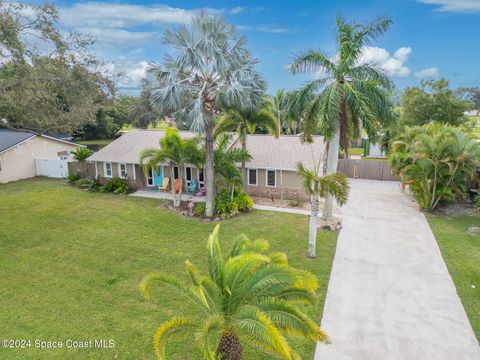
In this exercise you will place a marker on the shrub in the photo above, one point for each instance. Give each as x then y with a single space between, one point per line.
477 201
226 207
84 182
199 209
297 201
115 185
72 178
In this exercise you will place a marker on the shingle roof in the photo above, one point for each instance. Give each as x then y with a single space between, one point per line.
10 138
282 153
127 148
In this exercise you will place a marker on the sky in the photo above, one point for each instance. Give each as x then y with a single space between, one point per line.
428 38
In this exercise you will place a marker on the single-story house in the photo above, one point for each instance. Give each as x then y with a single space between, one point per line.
271 171
19 151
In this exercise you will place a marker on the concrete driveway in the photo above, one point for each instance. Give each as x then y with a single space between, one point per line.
390 295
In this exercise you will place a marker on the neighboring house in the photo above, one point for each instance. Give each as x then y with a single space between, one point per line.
271 172
19 151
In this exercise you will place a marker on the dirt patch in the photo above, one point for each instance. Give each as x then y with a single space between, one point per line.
460 208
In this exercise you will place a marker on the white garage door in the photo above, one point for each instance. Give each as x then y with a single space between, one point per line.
52 167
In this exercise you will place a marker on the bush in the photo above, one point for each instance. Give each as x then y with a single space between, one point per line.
72 178
84 182
297 201
199 209
115 185
226 207
477 201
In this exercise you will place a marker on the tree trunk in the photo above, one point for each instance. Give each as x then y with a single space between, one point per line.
230 347
172 184
209 165
332 163
244 147
312 231
179 198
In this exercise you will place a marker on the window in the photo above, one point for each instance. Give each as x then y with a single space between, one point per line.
122 170
271 178
188 175
201 180
108 169
150 178
175 172
62 155
252 177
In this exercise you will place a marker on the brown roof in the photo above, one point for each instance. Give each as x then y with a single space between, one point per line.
282 153
128 147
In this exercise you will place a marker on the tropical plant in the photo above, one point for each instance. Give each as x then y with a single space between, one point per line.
436 161
81 154
226 160
229 204
347 95
246 122
250 297
211 69
317 186
73 177
175 151
115 185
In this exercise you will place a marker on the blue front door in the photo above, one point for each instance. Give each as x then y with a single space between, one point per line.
158 178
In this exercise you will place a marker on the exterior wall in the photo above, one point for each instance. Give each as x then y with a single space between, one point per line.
19 162
288 185
137 183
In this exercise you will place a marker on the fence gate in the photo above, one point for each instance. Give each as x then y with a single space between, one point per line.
366 169
52 167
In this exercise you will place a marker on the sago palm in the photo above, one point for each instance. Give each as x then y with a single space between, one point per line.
176 152
317 186
250 297
210 69
347 94
81 154
246 122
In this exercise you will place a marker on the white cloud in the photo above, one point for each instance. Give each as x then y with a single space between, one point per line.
427 73
394 66
128 73
267 29
459 6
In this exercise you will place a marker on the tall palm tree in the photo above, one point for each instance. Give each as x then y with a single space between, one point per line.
351 94
250 297
209 70
246 122
177 152
317 186
81 154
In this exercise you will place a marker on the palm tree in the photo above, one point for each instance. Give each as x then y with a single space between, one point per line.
226 160
210 69
177 152
81 154
317 186
351 94
250 297
247 121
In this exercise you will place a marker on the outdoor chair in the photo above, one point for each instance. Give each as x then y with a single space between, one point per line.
178 183
193 186
164 186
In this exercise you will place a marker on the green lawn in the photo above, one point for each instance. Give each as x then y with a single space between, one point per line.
71 262
461 252
354 151
95 142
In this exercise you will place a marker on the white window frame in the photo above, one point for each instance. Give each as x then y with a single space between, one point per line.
266 178
105 170
150 177
201 184
120 170
188 181
256 177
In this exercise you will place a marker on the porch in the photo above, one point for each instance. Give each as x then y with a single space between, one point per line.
153 194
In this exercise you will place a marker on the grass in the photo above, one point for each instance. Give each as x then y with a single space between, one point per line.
354 151
161 125
71 262
461 252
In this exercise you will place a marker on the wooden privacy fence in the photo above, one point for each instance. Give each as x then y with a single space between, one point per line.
366 169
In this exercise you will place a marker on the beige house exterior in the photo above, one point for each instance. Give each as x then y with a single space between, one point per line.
270 173
17 161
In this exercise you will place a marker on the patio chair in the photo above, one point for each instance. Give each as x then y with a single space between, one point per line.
177 184
165 183
193 186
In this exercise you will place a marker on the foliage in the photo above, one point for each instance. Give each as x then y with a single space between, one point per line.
471 95
73 177
142 115
115 185
433 100
436 161
48 79
350 94
210 69
477 201
297 201
81 154
335 184
199 209
229 203
240 304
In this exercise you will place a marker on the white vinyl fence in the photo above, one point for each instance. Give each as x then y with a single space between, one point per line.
52 167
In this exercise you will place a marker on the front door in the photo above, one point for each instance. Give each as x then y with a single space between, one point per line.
158 177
